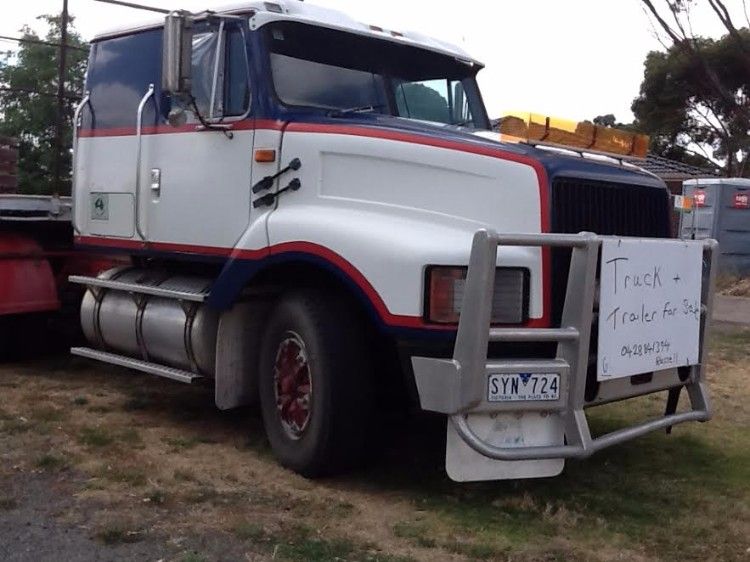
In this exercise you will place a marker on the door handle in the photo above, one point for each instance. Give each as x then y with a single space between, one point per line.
156 182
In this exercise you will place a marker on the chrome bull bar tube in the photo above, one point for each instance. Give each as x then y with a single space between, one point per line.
456 386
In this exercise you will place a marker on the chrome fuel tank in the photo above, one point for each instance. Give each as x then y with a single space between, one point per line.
160 330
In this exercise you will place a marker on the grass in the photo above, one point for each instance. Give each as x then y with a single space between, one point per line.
95 437
415 532
473 551
139 402
48 414
628 496
300 543
731 345
100 437
639 497
201 494
178 444
157 497
7 503
248 531
133 476
117 532
181 475
14 426
682 497
733 285
52 462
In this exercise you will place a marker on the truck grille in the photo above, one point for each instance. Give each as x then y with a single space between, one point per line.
609 208
603 208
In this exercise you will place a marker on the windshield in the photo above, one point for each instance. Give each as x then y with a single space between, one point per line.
345 72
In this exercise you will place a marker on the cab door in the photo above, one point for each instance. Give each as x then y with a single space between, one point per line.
196 178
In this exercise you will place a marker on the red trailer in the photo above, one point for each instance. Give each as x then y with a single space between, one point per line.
36 258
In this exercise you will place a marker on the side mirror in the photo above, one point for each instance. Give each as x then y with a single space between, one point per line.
177 47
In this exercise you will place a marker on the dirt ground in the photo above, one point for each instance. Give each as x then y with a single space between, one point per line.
99 463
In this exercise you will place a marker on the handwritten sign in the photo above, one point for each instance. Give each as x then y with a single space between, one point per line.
649 306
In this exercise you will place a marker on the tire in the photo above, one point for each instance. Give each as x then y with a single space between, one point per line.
320 425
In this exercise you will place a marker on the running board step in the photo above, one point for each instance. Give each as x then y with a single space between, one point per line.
154 291
137 364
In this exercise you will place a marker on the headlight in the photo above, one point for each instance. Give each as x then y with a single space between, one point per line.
445 293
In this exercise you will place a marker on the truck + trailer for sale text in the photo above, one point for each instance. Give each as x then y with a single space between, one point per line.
320 219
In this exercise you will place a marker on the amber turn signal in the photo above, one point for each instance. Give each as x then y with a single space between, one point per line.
265 155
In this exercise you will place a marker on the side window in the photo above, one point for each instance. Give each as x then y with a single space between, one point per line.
220 73
440 101
206 47
236 86
426 100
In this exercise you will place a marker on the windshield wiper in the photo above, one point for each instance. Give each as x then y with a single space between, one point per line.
360 109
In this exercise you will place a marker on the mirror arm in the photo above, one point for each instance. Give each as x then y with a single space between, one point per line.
206 126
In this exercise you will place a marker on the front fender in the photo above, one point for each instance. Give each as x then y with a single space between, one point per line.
382 253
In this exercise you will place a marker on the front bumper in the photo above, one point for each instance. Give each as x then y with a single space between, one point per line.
456 386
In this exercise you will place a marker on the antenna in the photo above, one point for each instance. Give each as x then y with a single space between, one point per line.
136 6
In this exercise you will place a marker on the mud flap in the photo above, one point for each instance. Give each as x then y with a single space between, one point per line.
463 464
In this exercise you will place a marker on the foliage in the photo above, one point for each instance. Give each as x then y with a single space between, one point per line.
608 120
28 106
422 102
678 106
695 93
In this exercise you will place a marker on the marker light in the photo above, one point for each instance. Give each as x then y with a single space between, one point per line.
445 293
265 155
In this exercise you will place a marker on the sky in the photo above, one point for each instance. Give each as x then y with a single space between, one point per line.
574 59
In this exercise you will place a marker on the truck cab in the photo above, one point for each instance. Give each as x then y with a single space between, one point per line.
314 208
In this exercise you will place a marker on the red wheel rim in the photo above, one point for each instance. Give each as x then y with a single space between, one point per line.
293 385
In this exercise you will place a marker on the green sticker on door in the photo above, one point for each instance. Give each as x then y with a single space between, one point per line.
100 206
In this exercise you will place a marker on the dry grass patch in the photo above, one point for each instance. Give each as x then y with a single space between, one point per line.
115 529
7 503
159 460
733 285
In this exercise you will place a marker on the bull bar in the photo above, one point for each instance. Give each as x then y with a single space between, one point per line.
456 386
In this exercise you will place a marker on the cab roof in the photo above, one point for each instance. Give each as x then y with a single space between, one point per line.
303 12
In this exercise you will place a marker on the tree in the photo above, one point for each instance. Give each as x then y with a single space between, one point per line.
422 102
28 105
682 110
695 94
608 120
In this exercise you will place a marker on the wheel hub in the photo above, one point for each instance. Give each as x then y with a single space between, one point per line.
293 385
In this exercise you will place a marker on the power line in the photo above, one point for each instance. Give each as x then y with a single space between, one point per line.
136 6
40 42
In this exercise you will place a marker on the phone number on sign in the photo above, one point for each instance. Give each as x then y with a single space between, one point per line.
657 347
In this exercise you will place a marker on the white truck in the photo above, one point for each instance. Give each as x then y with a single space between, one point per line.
320 219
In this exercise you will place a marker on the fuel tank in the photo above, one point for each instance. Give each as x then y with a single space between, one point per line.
160 330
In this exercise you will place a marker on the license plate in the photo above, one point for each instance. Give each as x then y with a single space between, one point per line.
518 387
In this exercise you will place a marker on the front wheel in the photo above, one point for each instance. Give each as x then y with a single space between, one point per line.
315 384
